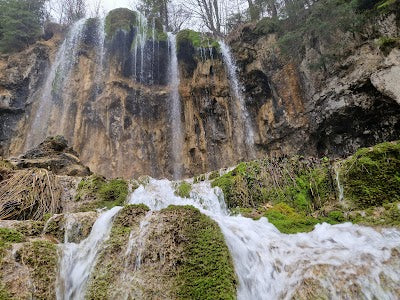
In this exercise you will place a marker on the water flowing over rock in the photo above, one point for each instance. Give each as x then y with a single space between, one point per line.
176 112
340 260
77 260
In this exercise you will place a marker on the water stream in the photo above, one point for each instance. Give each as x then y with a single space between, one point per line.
55 83
176 110
237 90
77 260
271 265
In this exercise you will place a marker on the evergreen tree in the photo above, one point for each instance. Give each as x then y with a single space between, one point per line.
20 23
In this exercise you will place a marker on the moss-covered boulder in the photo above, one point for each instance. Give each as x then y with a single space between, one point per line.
196 39
120 19
28 268
177 253
371 177
97 192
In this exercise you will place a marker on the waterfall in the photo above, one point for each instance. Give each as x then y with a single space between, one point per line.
339 185
77 260
271 265
176 111
101 35
237 90
55 83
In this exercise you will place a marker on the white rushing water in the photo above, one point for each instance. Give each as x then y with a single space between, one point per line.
78 260
237 90
175 108
100 48
271 265
55 83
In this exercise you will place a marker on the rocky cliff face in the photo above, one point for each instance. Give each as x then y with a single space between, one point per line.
112 101
301 106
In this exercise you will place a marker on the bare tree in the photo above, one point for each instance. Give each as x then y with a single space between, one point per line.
178 16
68 11
210 12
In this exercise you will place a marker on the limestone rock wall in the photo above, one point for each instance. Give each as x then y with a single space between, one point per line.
350 103
118 118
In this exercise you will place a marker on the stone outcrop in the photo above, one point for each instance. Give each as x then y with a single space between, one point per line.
115 111
54 155
303 107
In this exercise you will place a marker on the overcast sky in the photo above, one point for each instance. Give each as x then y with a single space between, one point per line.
111 4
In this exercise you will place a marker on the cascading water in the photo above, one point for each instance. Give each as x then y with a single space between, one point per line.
101 36
176 111
55 82
237 89
272 265
77 260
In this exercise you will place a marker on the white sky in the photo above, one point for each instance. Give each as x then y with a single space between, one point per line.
111 4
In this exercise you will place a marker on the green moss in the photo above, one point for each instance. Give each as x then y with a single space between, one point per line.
371 177
89 187
199 178
196 39
114 192
287 220
120 19
213 175
207 270
101 193
301 183
41 257
386 43
4 295
105 274
337 216
11 235
183 189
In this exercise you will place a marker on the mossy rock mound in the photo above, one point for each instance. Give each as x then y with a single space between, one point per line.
97 192
120 19
196 39
177 253
371 177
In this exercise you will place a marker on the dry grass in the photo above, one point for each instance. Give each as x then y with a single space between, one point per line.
29 194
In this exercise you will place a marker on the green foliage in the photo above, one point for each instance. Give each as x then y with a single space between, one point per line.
303 184
267 26
196 39
207 270
20 23
120 19
183 190
371 177
322 20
